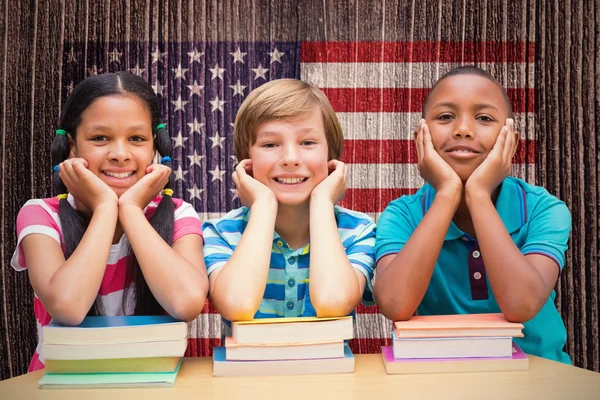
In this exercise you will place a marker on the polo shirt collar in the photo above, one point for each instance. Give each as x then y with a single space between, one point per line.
511 206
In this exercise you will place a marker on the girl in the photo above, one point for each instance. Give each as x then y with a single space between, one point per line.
474 239
106 245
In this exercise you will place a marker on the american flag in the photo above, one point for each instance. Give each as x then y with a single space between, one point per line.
376 88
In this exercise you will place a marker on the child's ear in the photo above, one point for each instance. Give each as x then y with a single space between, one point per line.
71 146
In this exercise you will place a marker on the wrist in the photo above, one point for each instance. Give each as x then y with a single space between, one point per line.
317 199
265 204
476 196
106 208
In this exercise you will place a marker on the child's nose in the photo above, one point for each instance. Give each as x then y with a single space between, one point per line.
463 129
290 156
119 151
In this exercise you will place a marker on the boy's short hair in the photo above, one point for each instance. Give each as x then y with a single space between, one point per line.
284 99
470 70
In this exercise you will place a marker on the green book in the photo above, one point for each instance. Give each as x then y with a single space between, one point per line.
122 380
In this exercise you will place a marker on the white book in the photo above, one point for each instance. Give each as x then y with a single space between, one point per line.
292 330
222 367
465 347
289 351
170 348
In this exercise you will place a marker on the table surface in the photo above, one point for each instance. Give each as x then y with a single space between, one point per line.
545 379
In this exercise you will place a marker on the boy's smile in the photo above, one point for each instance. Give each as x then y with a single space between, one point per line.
290 157
115 137
465 114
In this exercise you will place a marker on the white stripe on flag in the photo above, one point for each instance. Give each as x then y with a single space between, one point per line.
383 176
372 326
404 75
199 328
388 125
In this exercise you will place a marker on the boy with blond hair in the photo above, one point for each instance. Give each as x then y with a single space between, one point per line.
290 251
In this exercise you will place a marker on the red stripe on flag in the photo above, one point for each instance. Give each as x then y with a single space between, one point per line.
406 99
372 200
369 345
445 52
402 151
201 347
209 308
362 309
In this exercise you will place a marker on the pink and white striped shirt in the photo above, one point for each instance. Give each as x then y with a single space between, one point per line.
41 216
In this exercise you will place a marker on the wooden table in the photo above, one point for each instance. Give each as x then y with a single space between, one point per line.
544 380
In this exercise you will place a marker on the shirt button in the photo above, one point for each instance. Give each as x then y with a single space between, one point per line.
291 282
292 260
477 275
279 243
465 239
290 305
476 254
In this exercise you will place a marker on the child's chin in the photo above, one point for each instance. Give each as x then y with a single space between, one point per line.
291 200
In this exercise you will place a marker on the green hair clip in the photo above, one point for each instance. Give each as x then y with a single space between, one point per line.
61 132
160 126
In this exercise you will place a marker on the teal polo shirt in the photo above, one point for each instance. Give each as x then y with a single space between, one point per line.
537 222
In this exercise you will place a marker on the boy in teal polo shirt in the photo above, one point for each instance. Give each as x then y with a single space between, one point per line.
290 251
473 239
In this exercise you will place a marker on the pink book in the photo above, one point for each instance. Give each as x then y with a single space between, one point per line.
518 362
458 325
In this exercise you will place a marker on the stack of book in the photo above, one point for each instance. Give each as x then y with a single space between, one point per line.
286 346
454 343
121 351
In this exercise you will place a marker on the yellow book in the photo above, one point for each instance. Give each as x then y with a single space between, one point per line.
112 365
292 330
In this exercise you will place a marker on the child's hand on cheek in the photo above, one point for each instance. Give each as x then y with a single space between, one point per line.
433 169
333 188
249 190
147 188
86 187
496 167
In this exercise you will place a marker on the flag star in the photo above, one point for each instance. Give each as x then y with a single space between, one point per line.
69 88
71 56
260 72
217 140
217 72
159 89
157 56
178 140
217 174
195 126
217 104
276 56
235 161
195 159
137 70
195 55
94 70
179 72
115 56
238 88
238 56
235 193
232 125
179 173
195 88
179 103
195 192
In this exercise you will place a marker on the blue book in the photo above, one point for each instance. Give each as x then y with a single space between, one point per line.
112 380
116 329
222 367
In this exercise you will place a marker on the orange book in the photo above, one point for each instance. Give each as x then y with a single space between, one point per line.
458 325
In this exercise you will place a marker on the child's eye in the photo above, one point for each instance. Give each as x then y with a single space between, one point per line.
99 138
445 117
138 139
268 145
485 118
308 142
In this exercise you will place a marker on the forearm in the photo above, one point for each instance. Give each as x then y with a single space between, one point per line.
178 286
239 286
74 287
334 287
518 287
401 285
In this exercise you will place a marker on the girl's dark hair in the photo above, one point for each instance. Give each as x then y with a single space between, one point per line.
470 70
73 222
